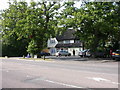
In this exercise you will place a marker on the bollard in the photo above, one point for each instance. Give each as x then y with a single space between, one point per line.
6 56
23 56
44 57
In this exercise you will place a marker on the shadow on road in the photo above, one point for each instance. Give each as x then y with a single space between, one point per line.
78 58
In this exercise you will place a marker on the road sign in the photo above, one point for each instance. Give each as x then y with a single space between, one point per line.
52 42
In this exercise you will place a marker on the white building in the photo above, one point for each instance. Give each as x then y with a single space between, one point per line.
66 41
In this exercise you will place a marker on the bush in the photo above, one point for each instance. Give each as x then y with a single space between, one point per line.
32 48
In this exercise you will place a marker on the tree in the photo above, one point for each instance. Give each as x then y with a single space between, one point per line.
94 24
65 20
35 23
39 23
10 45
115 21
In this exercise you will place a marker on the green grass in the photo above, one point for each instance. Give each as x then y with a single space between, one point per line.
3 57
36 59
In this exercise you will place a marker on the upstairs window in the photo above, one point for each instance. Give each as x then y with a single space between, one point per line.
66 41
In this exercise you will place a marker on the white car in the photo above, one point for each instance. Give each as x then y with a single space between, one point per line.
84 53
63 53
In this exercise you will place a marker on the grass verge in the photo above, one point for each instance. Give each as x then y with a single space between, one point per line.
37 59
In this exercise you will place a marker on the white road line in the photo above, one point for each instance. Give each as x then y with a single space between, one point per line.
98 79
115 83
7 71
68 85
28 76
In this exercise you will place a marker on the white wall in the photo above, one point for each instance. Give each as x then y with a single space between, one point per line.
71 41
70 50
76 50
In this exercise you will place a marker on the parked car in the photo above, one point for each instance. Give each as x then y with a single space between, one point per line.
44 54
85 53
116 55
82 53
63 53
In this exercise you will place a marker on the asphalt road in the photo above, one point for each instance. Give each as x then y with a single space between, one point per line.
18 73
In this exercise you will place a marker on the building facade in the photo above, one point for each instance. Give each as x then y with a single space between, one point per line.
67 41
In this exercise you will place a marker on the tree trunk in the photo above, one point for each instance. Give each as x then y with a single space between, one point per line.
95 43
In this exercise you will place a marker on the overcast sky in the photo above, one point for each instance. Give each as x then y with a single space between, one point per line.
4 3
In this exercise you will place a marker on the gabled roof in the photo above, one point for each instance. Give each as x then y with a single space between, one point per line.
67 35
68 45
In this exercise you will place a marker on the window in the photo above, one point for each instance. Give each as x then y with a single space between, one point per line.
77 41
52 41
66 41
60 42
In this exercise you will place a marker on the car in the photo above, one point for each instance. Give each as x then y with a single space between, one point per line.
84 53
116 55
63 53
44 53
88 53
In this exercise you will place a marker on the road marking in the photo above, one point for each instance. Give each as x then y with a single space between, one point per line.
115 83
98 79
68 85
28 76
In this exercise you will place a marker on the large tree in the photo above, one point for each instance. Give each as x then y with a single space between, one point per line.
9 17
96 24
35 23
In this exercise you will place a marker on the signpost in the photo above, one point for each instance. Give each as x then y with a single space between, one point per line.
52 42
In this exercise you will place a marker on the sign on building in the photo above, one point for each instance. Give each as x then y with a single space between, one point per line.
52 42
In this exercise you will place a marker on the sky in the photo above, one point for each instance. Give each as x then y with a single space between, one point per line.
4 3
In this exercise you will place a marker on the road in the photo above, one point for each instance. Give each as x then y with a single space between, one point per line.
18 73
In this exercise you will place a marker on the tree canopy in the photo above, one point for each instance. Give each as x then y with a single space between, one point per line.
35 23
96 24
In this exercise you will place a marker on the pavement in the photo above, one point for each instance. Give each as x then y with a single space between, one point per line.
66 58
